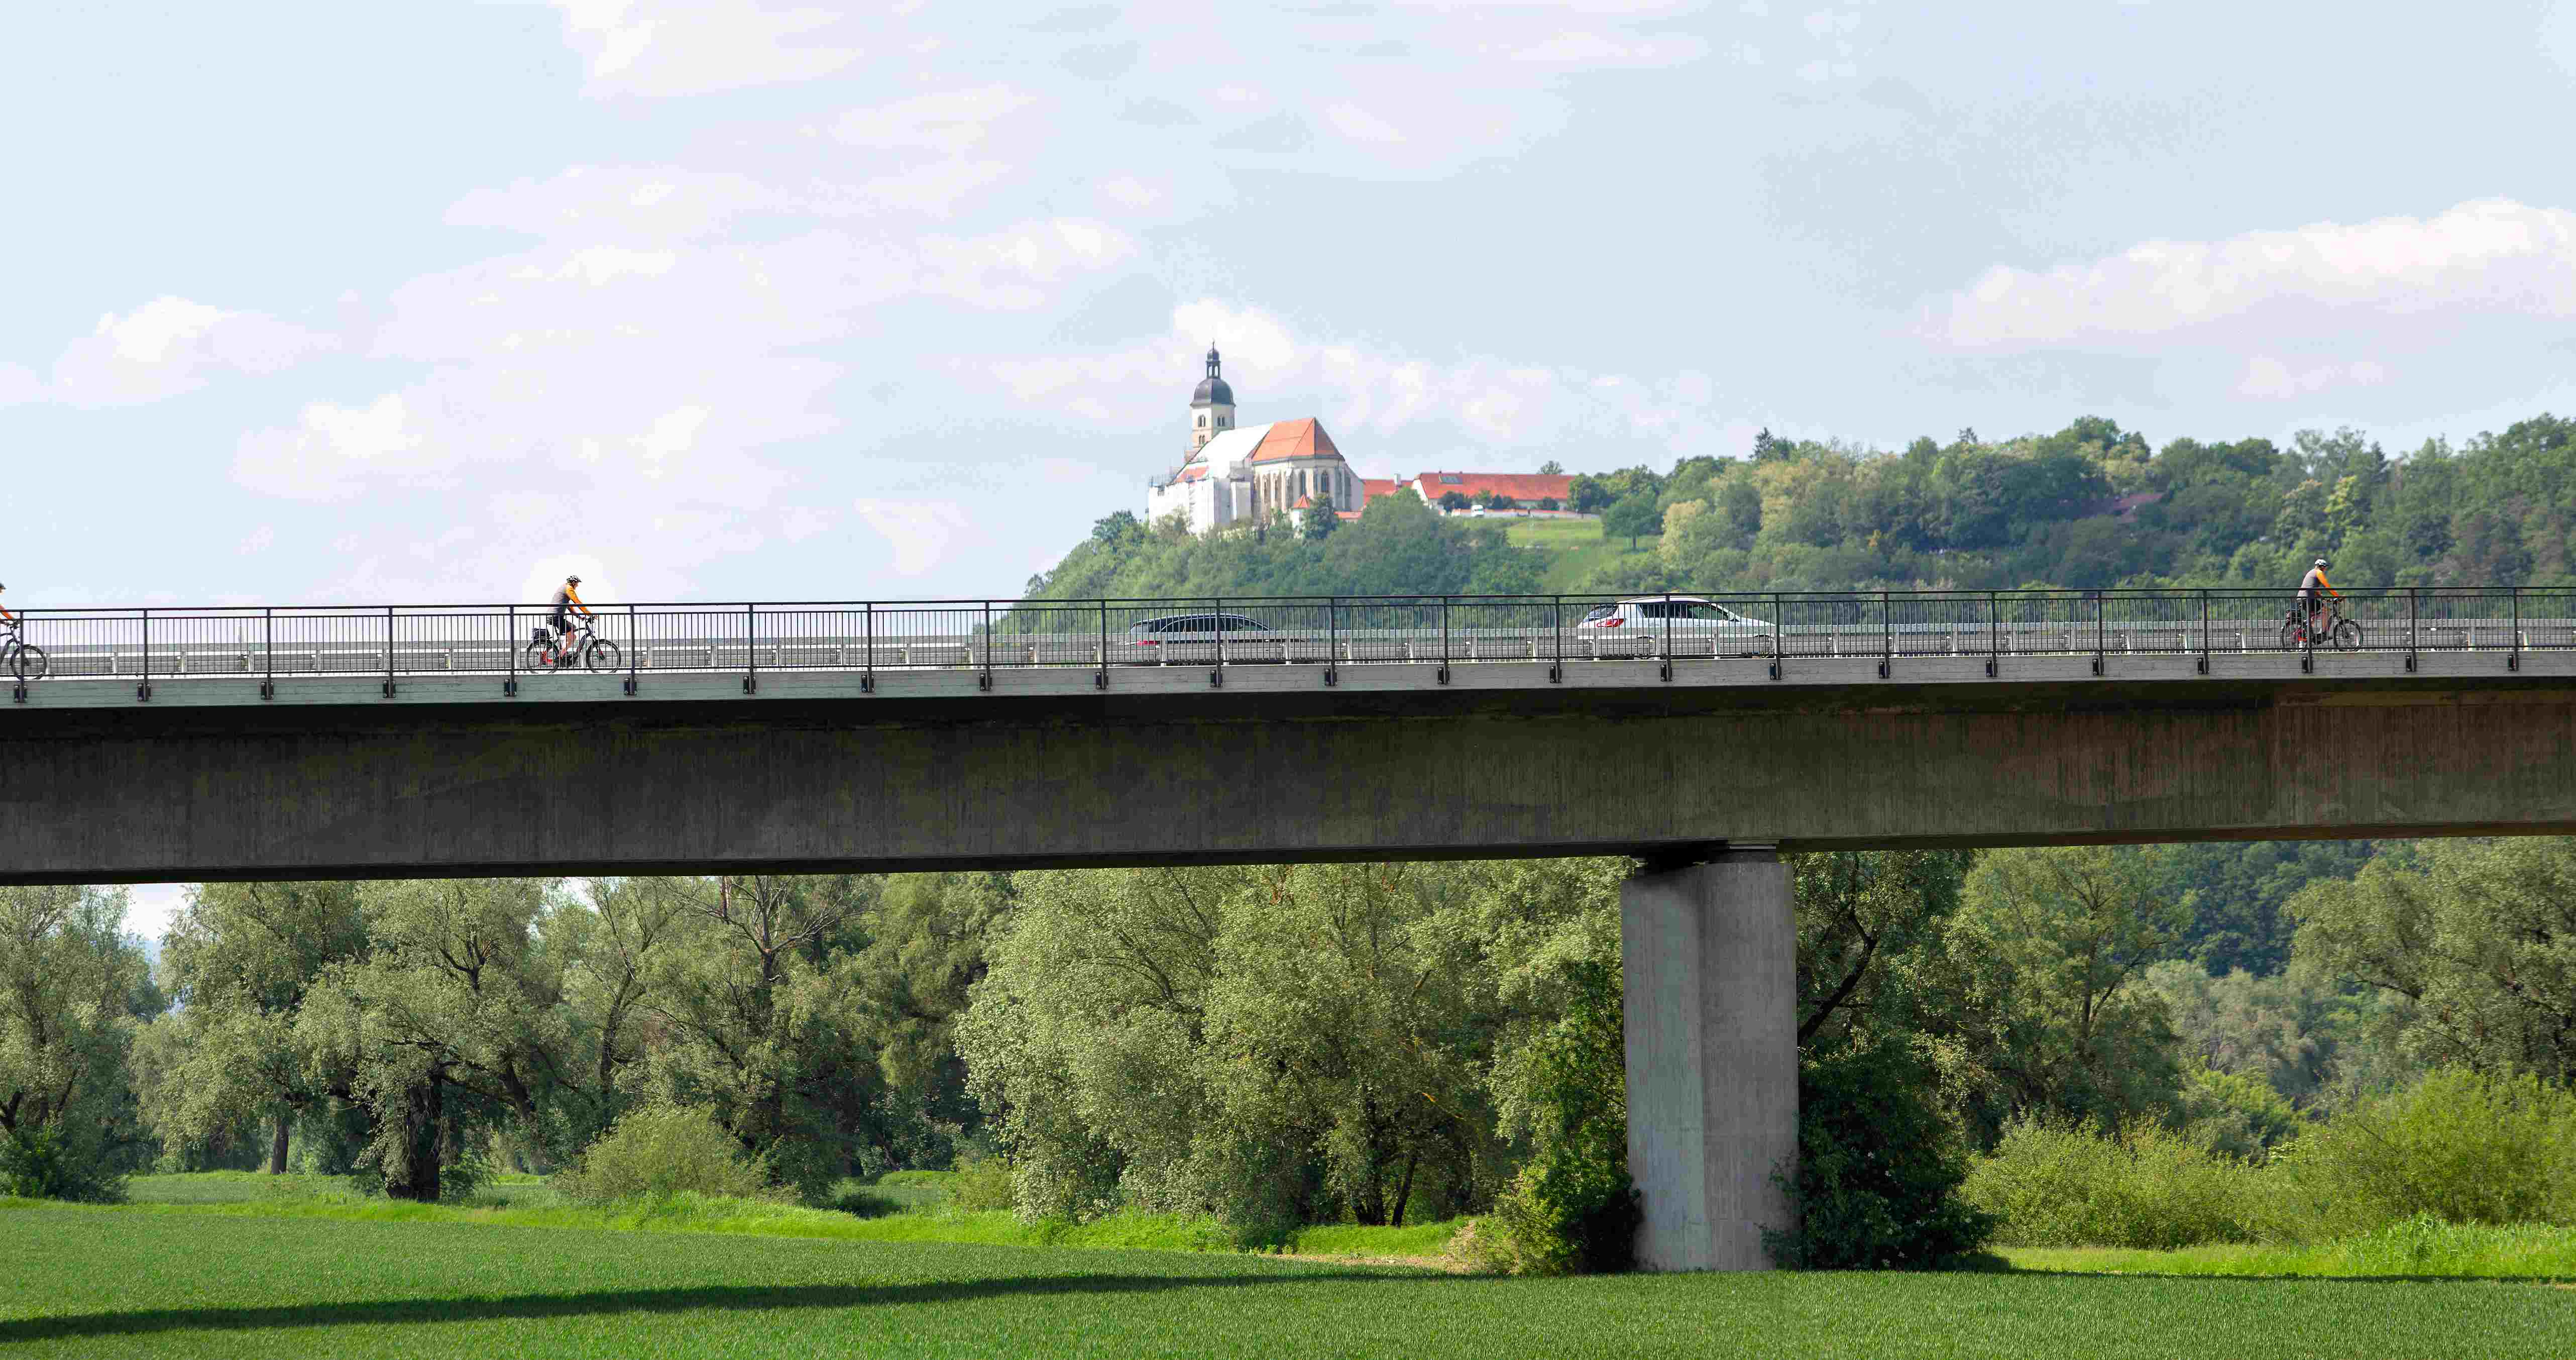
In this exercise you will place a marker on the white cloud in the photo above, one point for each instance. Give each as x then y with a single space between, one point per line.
919 532
1360 125
171 345
1003 271
318 457
587 203
949 122
2274 379
1500 405
2486 257
1594 51
19 383
682 47
1127 191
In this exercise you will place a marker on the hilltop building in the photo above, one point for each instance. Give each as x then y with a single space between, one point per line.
1247 474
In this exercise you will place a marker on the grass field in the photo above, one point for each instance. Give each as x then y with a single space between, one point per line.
90 1282
1575 548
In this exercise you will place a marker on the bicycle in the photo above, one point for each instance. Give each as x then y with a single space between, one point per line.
582 644
2336 631
25 660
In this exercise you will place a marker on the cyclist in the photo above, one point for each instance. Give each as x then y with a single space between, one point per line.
567 601
2313 590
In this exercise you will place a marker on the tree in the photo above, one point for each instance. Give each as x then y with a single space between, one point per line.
1277 1045
1551 468
1499 501
1590 495
67 980
1454 500
1318 523
1768 448
1633 518
1549 504
451 1027
763 1007
240 957
2476 939
2046 958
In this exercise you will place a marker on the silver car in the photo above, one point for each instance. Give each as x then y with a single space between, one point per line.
1686 619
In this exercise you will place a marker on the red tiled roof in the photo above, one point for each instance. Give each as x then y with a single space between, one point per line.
1373 487
1304 503
1527 488
1295 439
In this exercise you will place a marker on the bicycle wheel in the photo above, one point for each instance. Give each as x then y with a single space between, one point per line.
535 658
2347 636
601 655
2292 637
29 663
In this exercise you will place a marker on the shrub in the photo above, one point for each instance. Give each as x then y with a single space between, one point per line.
44 1163
980 1183
2458 1148
1573 1209
657 1151
2056 1183
1879 1170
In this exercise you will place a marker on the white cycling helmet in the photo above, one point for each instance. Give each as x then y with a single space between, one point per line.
2321 564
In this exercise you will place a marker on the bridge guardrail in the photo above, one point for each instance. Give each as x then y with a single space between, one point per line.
287 643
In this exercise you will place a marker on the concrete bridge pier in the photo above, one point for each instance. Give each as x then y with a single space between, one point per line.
1710 952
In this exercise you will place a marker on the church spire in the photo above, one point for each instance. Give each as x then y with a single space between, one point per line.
1211 406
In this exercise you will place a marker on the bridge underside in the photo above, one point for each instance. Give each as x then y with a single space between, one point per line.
1166 770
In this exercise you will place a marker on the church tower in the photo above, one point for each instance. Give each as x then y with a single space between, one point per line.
1211 407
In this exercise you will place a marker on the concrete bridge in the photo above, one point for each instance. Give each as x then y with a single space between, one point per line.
1705 764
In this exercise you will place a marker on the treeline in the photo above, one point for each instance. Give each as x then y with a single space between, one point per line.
1270 1047
2091 506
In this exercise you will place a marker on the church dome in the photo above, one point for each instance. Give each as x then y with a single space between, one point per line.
1212 390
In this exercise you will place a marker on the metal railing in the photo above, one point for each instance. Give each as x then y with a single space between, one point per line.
388 644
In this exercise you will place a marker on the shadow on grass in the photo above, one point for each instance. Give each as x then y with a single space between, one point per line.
743 1298
1984 1263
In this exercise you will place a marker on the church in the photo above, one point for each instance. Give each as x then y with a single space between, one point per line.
1249 474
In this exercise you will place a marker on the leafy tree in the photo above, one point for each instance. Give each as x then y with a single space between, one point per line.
2477 939
2046 960
1551 468
1318 523
67 978
1549 503
1454 500
1633 518
1590 495
240 957
764 1011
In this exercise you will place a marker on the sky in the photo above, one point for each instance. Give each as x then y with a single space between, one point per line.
734 299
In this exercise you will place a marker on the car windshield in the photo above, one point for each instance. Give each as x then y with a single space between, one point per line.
1599 612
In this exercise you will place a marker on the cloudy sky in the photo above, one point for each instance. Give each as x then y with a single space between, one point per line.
731 299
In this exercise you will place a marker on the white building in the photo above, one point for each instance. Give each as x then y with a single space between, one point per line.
1253 473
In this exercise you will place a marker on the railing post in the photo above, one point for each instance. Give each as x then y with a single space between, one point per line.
2413 616
634 649
985 680
2204 631
1217 612
2098 611
2514 662
1779 636
143 689
268 652
1556 624
1667 667
1444 639
868 639
1332 639
1886 632
389 651
1101 680
751 649
1994 633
